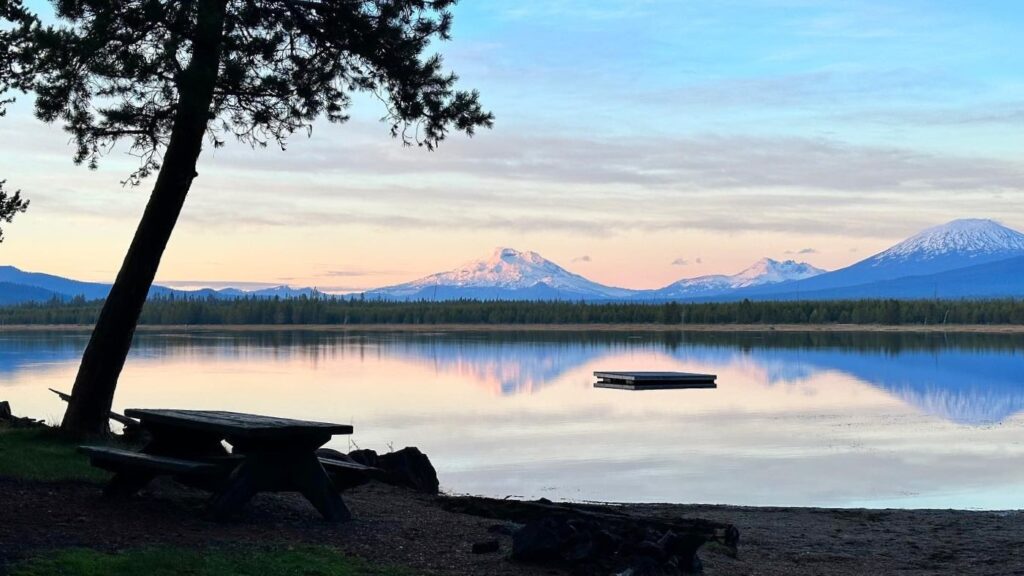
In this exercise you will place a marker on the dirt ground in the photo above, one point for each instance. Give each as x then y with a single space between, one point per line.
841 542
400 527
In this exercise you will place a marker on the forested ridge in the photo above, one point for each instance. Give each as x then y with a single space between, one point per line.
329 310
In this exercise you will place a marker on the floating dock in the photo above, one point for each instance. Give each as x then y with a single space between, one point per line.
654 380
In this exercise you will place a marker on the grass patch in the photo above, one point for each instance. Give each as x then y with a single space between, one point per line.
42 454
167 561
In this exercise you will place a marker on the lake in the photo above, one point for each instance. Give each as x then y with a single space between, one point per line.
798 419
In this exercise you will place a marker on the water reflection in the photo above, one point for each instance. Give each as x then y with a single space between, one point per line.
887 419
964 378
968 379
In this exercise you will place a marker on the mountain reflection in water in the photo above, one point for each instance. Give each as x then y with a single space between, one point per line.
892 419
966 378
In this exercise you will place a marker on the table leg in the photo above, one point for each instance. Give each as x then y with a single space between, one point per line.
313 482
276 471
248 478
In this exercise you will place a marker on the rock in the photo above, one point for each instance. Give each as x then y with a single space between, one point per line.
16 421
539 541
407 467
410 467
506 529
364 457
486 547
594 543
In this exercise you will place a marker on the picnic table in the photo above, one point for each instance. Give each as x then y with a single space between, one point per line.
267 454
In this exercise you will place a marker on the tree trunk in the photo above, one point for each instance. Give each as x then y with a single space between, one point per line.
104 357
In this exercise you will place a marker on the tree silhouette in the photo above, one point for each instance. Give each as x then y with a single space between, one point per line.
10 205
15 21
165 75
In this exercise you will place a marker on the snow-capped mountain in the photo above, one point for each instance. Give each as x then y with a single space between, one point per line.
764 271
961 259
934 251
976 240
506 274
768 271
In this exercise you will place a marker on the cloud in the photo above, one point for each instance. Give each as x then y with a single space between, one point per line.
216 284
1002 114
803 251
355 273
825 87
681 262
343 288
579 185
583 258
724 162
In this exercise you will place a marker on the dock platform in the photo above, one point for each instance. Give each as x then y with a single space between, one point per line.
654 380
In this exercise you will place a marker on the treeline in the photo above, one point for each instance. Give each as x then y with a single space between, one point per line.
304 310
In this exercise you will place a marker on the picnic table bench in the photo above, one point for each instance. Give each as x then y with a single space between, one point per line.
267 454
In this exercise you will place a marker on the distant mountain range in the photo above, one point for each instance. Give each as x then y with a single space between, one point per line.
969 258
509 274
961 259
18 286
764 272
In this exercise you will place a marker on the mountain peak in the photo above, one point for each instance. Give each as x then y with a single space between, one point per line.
513 256
771 271
764 271
506 270
968 237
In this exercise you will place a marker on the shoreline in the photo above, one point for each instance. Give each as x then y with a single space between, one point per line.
657 328
390 524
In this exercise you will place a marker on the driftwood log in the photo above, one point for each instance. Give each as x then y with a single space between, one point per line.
16 421
119 418
132 430
591 540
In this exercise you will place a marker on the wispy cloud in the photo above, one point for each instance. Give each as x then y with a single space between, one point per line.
999 114
809 89
680 262
216 284
355 273
584 258
703 162
803 251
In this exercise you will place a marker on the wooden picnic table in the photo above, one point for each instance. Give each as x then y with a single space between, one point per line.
267 454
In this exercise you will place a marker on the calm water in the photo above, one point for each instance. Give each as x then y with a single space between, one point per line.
798 419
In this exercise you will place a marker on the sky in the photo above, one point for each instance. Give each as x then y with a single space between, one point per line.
636 142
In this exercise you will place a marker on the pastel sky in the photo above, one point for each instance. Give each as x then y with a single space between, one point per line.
637 142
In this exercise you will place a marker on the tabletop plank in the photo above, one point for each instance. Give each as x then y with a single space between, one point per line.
236 424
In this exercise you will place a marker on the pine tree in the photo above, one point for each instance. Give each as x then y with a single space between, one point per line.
165 75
